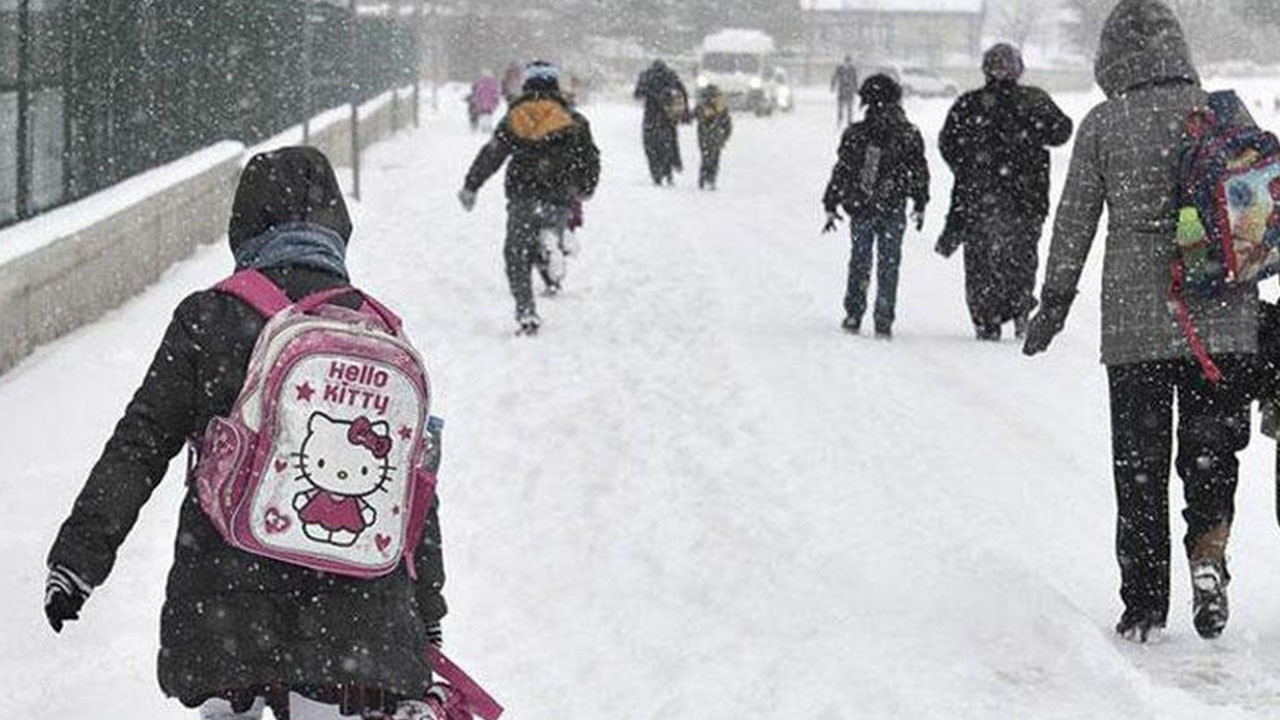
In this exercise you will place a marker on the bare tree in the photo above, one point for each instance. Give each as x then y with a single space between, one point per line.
1016 21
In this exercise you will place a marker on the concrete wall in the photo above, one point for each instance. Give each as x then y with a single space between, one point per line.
66 268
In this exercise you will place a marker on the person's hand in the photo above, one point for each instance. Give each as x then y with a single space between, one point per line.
467 198
1046 323
917 218
64 595
833 217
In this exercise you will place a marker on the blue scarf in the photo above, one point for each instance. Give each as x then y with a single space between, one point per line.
297 244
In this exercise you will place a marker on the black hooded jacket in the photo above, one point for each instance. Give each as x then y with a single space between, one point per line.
894 146
232 620
553 156
995 141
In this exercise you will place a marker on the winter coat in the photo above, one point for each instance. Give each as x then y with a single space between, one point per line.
1125 157
232 619
715 125
994 139
666 101
553 156
845 81
901 172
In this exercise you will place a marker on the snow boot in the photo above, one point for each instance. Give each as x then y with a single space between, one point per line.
884 331
1209 579
529 323
987 333
1141 626
852 325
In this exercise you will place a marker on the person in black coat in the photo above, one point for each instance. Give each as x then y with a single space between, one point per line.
995 141
844 83
880 165
554 164
666 105
237 627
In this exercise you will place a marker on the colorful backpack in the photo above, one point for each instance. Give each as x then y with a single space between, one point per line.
1229 216
322 461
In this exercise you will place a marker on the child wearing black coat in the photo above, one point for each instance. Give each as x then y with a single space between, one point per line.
715 125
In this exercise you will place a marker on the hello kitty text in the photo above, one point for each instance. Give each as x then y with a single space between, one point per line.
357 386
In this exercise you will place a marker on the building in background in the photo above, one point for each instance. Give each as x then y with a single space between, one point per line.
920 31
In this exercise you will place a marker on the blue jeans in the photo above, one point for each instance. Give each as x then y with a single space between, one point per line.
882 231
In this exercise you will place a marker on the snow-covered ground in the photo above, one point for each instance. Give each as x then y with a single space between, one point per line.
692 496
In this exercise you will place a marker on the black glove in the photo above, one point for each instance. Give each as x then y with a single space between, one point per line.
64 595
833 217
435 635
1047 322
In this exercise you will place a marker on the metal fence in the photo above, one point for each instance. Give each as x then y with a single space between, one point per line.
93 91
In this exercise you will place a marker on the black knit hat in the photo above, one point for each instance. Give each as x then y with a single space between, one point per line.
292 184
880 89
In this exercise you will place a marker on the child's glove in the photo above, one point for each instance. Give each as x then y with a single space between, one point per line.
467 198
575 215
435 635
833 217
64 595
917 217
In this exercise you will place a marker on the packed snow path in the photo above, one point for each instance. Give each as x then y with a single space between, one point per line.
692 496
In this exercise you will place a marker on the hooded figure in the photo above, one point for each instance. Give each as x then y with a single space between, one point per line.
879 166
554 163
715 125
1125 159
995 139
666 105
236 626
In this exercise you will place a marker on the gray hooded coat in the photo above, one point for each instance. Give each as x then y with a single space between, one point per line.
1125 158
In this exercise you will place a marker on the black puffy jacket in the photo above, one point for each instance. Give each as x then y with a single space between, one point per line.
553 156
232 620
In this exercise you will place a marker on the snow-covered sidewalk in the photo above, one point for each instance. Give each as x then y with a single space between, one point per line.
692 496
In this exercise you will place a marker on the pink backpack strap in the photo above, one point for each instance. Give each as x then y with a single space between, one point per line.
368 305
255 290
475 699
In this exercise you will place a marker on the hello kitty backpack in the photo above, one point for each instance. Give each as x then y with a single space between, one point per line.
322 460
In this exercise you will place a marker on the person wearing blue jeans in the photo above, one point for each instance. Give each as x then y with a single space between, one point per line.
881 234
880 165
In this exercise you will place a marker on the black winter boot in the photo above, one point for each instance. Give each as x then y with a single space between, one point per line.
1140 626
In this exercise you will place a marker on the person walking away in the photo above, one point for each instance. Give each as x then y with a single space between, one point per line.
1125 158
512 79
554 161
995 141
844 83
486 95
666 105
240 630
715 125
879 166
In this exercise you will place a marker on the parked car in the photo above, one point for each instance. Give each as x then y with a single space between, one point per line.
925 82
919 81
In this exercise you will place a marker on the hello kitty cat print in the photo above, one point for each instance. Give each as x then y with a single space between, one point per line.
339 482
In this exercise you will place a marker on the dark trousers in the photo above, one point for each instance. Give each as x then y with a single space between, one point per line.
844 110
662 149
1212 426
526 221
880 233
1000 260
710 169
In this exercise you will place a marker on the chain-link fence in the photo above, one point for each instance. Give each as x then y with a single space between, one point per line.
93 91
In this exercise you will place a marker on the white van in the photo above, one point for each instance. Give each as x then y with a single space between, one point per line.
739 62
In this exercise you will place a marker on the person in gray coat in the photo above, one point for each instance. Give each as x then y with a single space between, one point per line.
1125 158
